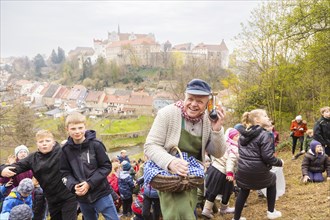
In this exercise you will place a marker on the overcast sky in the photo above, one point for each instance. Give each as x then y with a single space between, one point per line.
32 27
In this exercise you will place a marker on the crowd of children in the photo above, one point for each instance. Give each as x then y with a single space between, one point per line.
116 188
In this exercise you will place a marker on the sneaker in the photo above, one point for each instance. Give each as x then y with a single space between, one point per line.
228 210
219 197
303 151
274 215
241 218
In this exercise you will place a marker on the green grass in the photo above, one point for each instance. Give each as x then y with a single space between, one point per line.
127 125
122 142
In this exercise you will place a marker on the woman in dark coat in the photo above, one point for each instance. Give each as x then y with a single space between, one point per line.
256 158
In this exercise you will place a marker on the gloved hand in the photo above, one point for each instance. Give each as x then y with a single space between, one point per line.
301 129
306 178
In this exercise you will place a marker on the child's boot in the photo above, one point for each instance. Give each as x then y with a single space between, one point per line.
224 209
274 215
207 210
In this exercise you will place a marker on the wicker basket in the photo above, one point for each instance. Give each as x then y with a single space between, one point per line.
176 183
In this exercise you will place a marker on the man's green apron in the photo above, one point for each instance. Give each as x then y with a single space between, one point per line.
181 205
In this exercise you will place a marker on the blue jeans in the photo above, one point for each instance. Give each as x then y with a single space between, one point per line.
315 177
104 205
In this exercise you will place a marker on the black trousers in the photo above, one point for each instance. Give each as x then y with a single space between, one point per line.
294 143
64 210
127 203
147 204
244 194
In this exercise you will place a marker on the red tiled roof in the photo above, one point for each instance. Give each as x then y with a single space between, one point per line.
140 100
125 36
144 41
93 96
186 46
61 92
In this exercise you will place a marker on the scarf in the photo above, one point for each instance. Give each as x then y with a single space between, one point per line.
184 114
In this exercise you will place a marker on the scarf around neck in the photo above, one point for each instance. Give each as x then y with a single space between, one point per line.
184 114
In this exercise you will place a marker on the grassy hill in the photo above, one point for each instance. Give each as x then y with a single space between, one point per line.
300 201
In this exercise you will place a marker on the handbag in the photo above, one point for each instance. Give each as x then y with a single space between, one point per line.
166 181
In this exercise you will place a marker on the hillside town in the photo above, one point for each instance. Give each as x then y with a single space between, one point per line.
55 100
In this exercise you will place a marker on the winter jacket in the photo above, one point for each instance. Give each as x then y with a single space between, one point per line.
295 127
137 205
307 141
256 158
121 159
45 168
150 192
227 164
315 163
14 199
322 131
88 162
39 204
126 185
17 179
113 181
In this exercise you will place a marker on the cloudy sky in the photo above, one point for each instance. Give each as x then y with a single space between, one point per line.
32 27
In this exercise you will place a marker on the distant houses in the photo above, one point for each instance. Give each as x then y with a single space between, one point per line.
143 49
58 100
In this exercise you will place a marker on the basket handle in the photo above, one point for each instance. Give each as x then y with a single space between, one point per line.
179 151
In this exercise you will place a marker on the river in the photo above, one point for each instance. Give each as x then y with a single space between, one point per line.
130 151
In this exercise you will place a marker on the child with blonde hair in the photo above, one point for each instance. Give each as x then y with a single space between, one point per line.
256 158
85 166
45 165
307 140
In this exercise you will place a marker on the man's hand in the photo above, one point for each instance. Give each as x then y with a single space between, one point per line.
216 125
8 172
179 167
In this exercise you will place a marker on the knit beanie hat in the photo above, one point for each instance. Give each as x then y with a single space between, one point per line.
313 145
299 118
232 133
126 165
20 212
25 186
19 148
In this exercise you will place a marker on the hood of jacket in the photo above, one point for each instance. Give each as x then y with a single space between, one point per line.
89 135
247 135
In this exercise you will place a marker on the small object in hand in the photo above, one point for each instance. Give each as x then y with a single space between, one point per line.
212 107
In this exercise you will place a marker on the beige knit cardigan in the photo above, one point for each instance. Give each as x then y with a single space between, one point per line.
165 134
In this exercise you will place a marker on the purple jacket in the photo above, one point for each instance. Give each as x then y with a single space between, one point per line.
16 179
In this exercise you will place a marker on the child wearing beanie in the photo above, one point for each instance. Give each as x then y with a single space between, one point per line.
126 185
315 163
21 152
21 149
19 195
21 212
220 176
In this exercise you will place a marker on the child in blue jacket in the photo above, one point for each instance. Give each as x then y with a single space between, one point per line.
126 185
19 195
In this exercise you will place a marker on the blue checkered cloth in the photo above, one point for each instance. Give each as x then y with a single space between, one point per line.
151 169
